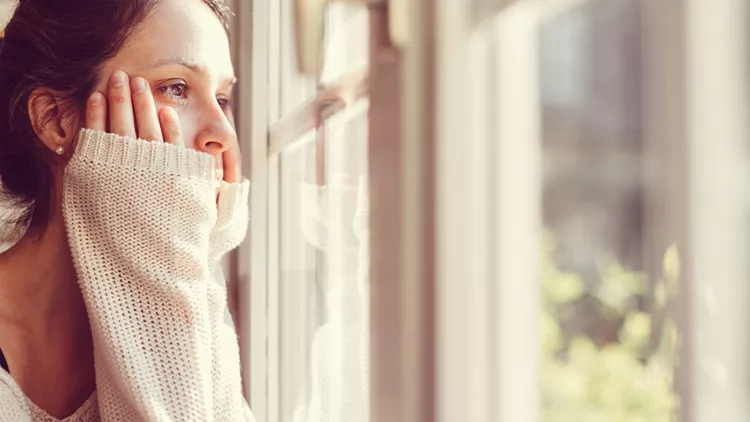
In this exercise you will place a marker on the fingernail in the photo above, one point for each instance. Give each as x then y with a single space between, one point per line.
118 79
94 98
138 85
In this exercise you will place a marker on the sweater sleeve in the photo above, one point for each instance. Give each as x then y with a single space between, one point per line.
140 217
226 235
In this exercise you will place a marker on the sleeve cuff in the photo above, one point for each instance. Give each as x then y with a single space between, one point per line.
233 198
137 154
232 221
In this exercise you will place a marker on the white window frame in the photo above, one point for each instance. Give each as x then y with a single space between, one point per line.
250 36
717 268
696 117
489 214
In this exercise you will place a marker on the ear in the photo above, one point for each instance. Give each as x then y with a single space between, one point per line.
53 127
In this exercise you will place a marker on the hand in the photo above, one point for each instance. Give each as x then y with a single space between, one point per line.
232 162
129 109
129 106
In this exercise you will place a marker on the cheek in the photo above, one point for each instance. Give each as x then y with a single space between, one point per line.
191 127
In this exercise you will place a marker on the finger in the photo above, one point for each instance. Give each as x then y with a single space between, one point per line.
96 112
146 121
121 119
170 126
232 163
219 172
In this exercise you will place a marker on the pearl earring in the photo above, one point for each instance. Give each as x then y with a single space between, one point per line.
60 150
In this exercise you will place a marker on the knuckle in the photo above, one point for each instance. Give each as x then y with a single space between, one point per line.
140 104
119 96
142 99
138 97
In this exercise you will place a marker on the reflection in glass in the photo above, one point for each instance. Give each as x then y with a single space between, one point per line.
325 274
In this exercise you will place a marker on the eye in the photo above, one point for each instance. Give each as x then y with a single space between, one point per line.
176 91
224 103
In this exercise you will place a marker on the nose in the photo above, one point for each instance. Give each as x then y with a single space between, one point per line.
216 136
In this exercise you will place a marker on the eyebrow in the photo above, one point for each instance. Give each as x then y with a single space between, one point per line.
190 65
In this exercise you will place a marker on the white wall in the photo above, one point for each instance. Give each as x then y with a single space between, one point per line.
6 9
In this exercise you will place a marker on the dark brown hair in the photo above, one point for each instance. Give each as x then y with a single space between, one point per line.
59 45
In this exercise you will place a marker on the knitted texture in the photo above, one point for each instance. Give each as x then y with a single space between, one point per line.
147 235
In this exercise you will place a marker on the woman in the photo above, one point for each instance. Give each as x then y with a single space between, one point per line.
112 303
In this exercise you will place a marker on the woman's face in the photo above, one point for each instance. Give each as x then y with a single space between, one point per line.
182 50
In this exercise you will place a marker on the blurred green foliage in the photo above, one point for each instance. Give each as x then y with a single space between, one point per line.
624 378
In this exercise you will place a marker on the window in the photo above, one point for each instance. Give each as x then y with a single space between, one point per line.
524 211
308 301
587 156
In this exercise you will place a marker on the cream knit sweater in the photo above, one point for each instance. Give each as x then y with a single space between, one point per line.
147 237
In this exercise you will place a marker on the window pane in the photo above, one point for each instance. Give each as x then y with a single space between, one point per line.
324 290
608 347
324 274
345 45
608 263
347 41
295 89
299 278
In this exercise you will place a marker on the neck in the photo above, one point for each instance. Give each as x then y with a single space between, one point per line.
44 328
37 278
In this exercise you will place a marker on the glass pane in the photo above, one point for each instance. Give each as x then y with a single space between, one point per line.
608 347
341 383
324 290
299 278
347 41
346 52
324 274
608 264
274 59
295 89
